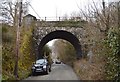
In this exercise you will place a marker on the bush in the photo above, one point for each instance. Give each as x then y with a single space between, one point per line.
27 56
113 54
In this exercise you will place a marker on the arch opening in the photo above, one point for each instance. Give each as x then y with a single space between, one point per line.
60 34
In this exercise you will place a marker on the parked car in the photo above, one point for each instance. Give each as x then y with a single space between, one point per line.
41 65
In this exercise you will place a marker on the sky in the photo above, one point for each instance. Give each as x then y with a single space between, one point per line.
50 43
58 8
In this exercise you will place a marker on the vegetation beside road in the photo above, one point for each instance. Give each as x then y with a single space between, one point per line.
26 55
26 52
93 69
8 52
112 44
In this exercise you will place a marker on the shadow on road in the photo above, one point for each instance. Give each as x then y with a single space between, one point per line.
39 74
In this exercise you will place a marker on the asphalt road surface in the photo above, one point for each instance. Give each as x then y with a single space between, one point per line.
59 72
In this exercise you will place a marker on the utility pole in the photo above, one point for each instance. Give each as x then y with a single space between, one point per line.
17 40
103 4
56 13
106 16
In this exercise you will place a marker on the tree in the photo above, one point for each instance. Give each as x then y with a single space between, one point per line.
10 11
104 18
8 52
27 53
47 53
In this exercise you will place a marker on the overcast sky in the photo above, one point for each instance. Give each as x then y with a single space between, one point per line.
53 8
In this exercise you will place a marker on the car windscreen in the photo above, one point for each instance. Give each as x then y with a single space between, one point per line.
41 61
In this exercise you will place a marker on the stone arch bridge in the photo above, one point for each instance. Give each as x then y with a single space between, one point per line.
74 35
